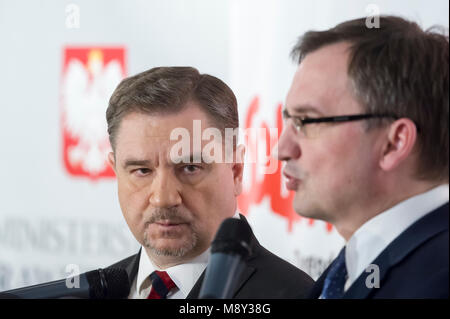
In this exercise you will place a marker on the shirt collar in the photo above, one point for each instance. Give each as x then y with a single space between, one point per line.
377 233
184 275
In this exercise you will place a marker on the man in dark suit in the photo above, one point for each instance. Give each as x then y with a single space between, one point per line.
265 276
366 146
178 179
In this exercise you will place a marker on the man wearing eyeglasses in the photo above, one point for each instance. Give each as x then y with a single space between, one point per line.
366 148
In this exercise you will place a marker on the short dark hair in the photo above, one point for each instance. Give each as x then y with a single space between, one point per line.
165 90
400 69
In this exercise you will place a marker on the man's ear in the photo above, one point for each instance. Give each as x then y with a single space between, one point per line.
400 140
238 169
112 161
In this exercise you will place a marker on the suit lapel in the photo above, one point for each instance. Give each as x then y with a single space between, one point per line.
133 266
195 291
318 285
422 230
248 270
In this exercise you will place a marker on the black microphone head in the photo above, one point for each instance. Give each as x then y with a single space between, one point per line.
109 283
233 237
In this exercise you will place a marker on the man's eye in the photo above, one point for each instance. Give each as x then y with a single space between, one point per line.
141 171
190 169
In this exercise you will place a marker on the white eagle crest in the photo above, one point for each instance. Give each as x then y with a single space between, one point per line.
85 95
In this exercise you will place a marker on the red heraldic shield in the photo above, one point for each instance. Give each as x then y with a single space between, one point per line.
89 77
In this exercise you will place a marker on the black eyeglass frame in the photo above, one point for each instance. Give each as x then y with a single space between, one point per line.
333 119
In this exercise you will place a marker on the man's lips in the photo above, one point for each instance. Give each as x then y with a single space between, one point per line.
292 183
169 223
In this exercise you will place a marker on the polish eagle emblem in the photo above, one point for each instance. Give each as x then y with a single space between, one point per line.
90 77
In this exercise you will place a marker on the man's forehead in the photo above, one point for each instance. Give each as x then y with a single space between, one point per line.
328 54
328 61
157 150
159 126
320 81
293 109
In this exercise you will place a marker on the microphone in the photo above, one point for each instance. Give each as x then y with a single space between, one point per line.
229 249
109 283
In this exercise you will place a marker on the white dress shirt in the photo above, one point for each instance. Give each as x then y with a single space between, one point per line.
377 233
183 275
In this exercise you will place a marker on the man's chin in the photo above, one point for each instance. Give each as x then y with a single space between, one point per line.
304 209
311 212
169 252
170 247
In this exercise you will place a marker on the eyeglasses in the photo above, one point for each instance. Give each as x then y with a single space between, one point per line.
301 121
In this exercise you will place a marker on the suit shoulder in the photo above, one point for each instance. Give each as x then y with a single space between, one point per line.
124 263
281 276
130 264
421 274
283 265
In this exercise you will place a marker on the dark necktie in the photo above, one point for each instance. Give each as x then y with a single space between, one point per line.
333 286
161 285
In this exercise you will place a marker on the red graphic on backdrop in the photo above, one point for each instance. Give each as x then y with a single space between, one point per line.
270 185
89 77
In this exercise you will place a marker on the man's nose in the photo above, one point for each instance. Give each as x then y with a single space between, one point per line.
164 191
288 146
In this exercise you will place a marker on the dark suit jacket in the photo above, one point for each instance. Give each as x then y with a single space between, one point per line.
414 265
265 276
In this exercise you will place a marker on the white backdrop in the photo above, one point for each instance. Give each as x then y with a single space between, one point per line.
50 218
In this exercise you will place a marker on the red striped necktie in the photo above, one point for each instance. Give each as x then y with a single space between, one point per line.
161 285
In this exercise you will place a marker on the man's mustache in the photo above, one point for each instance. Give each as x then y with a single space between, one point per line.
167 214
